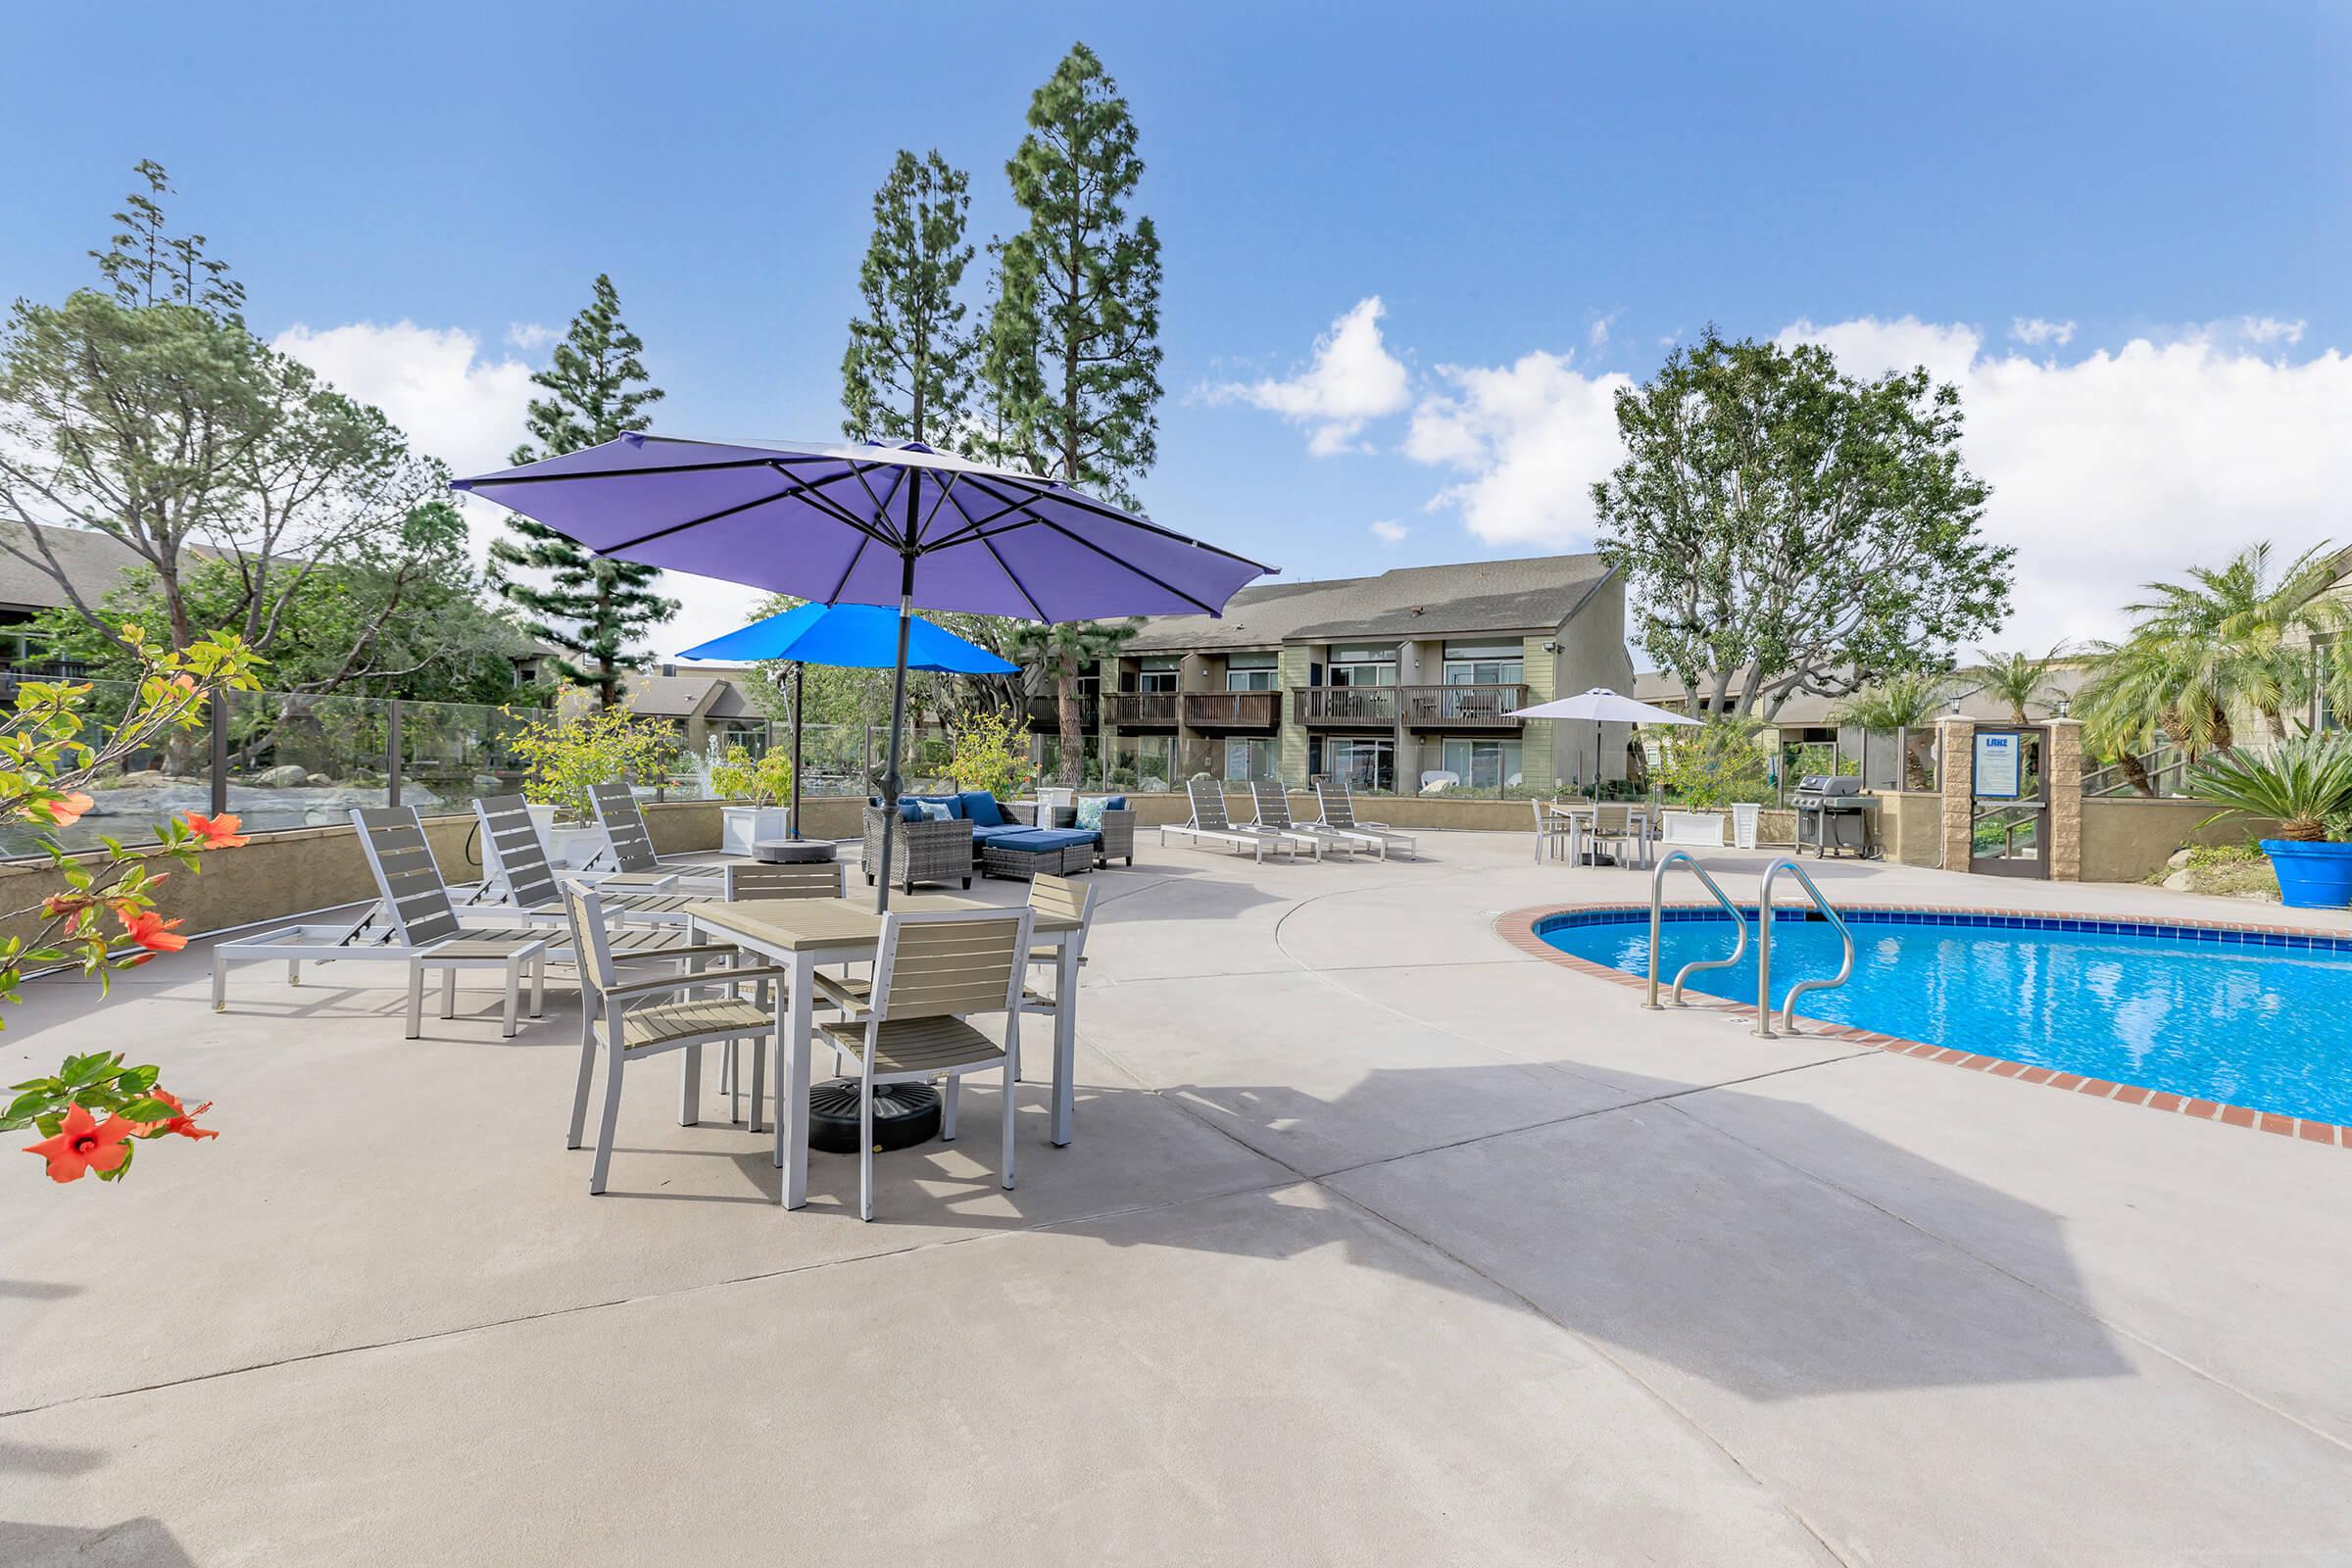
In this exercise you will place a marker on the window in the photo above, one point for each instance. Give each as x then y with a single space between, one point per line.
1493 664
1361 764
1363 665
1247 758
1157 675
1482 764
1250 673
1149 755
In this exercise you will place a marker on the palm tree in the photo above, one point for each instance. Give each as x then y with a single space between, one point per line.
1065 650
2239 638
2018 680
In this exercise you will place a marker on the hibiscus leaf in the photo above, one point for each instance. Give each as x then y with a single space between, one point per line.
149 1108
137 1080
81 1070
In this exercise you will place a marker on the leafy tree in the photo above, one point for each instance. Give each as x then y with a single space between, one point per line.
398 619
2018 680
1775 514
150 414
1898 703
908 373
2235 639
590 606
1073 350
1065 650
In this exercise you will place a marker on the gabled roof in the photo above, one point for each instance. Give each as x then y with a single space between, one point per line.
1451 601
94 562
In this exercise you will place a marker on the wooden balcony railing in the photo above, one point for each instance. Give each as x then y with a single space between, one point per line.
1140 710
1233 711
1353 706
1462 707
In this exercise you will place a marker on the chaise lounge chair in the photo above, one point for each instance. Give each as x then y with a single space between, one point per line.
1274 814
1339 815
517 873
1210 826
629 845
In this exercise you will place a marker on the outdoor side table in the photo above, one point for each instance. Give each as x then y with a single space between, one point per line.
793 851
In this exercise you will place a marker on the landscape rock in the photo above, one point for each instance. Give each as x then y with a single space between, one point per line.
284 776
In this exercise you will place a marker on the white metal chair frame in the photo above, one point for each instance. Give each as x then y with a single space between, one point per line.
933 971
1209 825
1273 802
613 1007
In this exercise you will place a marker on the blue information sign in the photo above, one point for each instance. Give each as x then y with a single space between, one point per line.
1996 766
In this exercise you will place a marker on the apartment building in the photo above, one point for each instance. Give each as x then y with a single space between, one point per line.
1392 682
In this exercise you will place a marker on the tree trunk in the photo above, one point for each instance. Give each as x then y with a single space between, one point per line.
2135 773
1065 713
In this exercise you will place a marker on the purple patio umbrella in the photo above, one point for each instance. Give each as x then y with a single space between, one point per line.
869 525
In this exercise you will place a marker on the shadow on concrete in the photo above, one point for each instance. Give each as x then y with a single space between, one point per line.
145 1542
34 1459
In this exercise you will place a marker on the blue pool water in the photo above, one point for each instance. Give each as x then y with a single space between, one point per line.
2244 1019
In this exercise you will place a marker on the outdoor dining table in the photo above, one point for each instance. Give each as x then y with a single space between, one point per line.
1580 820
800 934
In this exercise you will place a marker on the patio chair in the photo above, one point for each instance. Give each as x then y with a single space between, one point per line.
1339 815
630 846
1209 826
1273 801
932 972
1062 897
750 879
1614 824
618 1025
1554 829
517 872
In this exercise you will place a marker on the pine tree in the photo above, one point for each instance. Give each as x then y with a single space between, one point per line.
1073 347
591 606
908 374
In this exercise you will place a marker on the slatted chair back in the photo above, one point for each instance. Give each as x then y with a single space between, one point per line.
1338 810
407 876
624 827
1065 898
1618 820
510 845
821 879
1209 804
951 964
1273 802
586 911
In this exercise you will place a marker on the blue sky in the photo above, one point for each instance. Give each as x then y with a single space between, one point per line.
1537 197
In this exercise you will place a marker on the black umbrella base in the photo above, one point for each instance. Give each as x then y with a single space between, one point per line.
904 1114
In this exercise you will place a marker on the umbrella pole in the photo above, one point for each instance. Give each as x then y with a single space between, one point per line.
797 670
898 715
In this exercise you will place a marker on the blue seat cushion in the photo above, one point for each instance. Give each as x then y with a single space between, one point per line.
981 808
1039 840
954 802
994 835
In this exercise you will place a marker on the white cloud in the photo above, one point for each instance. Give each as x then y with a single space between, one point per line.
2270 329
433 383
1352 378
531 336
1598 335
1390 533
2034 329
1530 437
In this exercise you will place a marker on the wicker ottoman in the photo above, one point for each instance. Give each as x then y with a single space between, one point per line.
1056 851
793 851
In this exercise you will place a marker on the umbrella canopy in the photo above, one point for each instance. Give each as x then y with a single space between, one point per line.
852 637
874 526
1603 706
847 637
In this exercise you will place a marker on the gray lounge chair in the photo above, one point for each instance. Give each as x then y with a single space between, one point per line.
1274 814
1209 826
1339 814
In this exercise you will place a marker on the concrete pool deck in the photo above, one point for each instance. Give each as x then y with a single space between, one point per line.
1382 1241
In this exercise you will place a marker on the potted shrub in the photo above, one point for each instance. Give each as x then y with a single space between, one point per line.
2301 784
564 755
755 790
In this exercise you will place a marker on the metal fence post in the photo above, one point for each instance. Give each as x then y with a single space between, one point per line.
392 753
219 761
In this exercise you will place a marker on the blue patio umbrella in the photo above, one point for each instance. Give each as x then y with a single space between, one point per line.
847 637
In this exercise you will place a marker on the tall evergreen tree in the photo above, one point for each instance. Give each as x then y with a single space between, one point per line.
1073 347
590 606
908 374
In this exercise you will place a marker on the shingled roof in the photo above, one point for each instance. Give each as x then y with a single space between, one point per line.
93 561
1537 594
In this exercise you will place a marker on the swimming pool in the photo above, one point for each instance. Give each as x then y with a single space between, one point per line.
2240 1018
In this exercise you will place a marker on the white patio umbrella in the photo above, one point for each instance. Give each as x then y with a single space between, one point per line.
1603 706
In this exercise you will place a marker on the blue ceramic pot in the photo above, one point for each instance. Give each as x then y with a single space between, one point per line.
2311 876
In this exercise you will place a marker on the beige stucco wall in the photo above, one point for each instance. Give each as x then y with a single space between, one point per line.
2126 839
279 875
1911 826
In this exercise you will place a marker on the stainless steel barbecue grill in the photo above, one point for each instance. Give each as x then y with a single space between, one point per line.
1834 818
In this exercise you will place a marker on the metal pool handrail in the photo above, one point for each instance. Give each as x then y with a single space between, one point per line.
1764 950
1657 903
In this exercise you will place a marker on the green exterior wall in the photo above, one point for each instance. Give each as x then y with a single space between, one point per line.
1290 747
1538 765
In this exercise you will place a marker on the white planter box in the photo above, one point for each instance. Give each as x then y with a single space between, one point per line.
572 844
1743 825
742 826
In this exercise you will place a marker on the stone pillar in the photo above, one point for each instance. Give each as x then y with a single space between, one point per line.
2062 784
1956 744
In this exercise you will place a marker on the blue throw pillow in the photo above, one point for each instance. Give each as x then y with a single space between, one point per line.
1117 802
981 808
1090 815
911 811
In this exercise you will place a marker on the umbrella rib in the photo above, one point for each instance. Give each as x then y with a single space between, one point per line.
1073 498
882 501
1209 611
803 490
1015 578
855 556
945 488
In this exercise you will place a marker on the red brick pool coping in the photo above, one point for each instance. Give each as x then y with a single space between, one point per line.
1518 928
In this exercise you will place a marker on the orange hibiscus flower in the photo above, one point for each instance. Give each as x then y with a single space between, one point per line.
152 931
217 832
62 812
81 1144
184 1124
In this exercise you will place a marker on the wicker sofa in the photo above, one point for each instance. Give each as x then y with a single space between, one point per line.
923 851
1115 841
934 851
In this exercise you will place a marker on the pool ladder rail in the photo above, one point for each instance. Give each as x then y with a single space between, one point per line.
1763 1029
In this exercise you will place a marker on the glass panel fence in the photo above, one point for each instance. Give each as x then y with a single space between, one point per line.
296 760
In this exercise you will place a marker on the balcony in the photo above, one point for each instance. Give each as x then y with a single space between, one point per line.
1344 707
1045 714
1456 708
1233 712
1139 711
